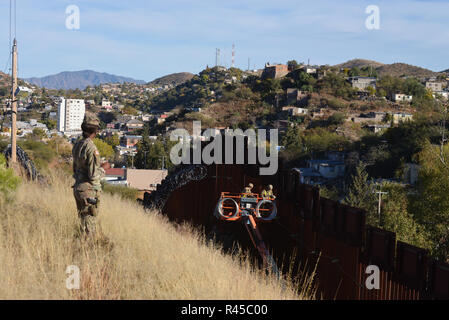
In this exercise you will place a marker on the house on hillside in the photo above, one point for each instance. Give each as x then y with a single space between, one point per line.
134 124
321 171
106 104
295 111
368 117
410 174
282 125
296 97
161 118
362 83
443 94
435 86
274 71
129 141
401 116
400 97
309 70
377 127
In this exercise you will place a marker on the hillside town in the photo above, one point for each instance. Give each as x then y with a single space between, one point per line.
354 130
128 110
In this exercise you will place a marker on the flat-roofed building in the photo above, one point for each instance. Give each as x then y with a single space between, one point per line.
362 83
70 115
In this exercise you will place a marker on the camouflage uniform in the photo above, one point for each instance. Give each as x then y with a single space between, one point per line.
268 193
87 173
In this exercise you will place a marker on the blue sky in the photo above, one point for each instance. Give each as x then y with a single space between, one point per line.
148 39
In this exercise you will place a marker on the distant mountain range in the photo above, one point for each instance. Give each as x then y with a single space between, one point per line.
394 69
173 79
79 80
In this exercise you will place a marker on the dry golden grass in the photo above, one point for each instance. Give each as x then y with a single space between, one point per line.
148 258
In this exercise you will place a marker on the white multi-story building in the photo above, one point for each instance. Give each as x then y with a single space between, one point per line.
70 115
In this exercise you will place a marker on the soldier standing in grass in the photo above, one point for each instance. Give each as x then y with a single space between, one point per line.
87 172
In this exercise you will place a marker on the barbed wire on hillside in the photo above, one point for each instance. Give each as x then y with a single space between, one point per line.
25 161
179 178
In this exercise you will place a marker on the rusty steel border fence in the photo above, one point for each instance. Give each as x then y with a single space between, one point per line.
320 233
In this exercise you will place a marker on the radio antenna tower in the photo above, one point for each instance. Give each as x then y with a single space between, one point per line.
233 56
217 57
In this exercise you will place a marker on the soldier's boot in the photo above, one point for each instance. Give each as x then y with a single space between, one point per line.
87 225
91 225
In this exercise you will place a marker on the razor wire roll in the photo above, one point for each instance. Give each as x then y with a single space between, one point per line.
182 176
24 160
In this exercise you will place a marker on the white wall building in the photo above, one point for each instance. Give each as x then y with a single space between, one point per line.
106 104
70 115
400 97
26 89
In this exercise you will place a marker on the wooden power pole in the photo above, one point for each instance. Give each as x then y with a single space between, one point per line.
14 105
380 193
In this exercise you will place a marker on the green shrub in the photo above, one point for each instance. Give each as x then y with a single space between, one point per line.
39 152
8 181
123 191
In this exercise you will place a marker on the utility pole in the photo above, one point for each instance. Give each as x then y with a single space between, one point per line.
145 152
163 162
132 159
380 193
14 105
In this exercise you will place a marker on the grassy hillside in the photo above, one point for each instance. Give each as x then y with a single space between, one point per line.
401 69
146 257
173 79
359 63
394 69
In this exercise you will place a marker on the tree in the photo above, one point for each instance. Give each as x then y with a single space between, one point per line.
3 91
292 64
354 72
38 134
104 149
371 90
51 124
129 110
113 140
431 204
396 218
292 139
360 194
336 119
61 146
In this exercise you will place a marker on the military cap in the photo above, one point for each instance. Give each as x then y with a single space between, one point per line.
91 119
